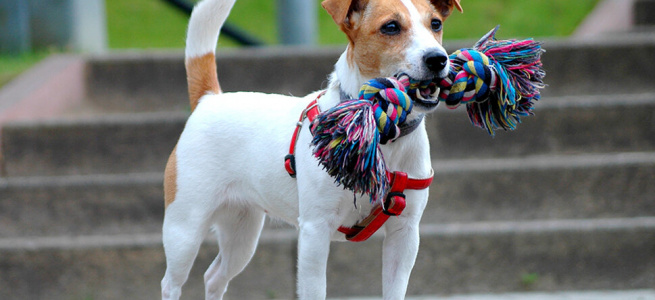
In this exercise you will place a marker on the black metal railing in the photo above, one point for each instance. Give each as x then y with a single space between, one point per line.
235 33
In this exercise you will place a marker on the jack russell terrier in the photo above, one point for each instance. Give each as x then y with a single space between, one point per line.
226 173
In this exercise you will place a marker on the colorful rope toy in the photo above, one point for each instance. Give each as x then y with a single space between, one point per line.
497 80
347 137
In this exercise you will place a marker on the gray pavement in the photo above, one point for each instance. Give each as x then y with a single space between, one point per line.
574 295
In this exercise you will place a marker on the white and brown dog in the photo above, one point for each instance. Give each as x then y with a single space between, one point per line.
226 172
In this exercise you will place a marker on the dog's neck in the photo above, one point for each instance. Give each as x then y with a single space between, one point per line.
345 83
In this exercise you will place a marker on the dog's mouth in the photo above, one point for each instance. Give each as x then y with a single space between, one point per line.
428 95
424 92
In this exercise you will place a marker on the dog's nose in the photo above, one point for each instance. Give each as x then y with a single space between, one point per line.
435 61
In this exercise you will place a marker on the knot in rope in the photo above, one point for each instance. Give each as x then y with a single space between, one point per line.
471 78
390 105
347 137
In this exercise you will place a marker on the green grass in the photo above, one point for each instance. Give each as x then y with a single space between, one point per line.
153 24
148 24
518 18
144 24
12 65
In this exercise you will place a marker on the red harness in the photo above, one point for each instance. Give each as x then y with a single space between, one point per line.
394 203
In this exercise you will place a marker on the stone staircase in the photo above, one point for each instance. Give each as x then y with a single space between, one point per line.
566 202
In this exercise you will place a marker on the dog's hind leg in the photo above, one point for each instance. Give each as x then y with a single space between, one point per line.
182 236
237 229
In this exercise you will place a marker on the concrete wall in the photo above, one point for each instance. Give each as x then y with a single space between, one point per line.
69 24
14 27
644 11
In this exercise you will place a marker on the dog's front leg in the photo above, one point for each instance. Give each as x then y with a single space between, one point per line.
399 251
313 251
317 221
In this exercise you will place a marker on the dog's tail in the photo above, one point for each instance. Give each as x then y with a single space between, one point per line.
204 26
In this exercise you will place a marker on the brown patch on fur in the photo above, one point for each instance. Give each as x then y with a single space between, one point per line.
170 179
361 20
445 7
459 6
372 50
201 77
338 9
431 13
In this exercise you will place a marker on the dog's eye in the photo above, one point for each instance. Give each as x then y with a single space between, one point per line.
436 25
390 28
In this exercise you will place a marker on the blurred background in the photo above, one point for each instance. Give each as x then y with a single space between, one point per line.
157 24
93 98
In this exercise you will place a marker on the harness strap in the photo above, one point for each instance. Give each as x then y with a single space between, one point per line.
310 112
394 203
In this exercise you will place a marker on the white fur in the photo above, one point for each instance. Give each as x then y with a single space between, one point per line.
348 79
230 174
205 23
422 41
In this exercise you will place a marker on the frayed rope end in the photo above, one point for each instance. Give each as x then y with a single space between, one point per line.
346 142
497 80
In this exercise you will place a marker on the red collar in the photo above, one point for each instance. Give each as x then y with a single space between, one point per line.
394 203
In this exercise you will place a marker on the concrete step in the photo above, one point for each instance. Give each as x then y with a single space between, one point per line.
106 204
644 10
129 267
575 124
469 190
646 294
543 187
81 205
101 144
494 257
126 143
138 81
156 81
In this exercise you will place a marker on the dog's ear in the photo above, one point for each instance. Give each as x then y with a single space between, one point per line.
340 10
445 7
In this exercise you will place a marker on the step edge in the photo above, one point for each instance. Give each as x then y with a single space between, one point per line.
634 294
132 118
82 180
286 235
543 162
441 166
537 226
102 120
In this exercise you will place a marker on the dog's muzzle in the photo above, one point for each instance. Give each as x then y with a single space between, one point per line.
436 61
423 93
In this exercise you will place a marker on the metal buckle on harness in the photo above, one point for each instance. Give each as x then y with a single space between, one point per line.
290 165
394 204
309 112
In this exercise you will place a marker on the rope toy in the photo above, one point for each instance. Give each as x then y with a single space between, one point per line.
497 80
347 136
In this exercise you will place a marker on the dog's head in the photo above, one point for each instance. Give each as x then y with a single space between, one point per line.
390 37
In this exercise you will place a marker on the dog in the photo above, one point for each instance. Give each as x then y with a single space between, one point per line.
225 174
